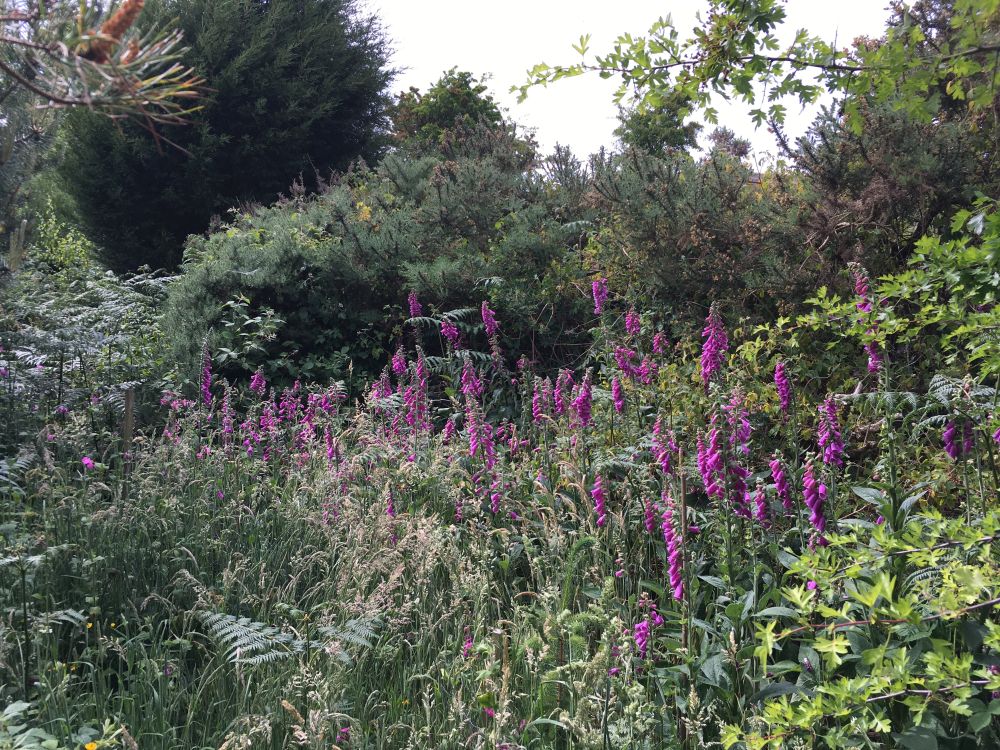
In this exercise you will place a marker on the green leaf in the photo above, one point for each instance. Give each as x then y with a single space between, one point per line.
774 689
777 612
917 738
714 581
978 722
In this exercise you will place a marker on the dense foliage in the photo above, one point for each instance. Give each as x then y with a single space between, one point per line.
470 447
781 540
296 89
469 213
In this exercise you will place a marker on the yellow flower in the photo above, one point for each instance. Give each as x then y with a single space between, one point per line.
90 625
90 746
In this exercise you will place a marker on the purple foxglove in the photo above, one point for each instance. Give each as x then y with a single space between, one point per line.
672 538
599 288
715 346
783 386
489 320
618 395
416 309
597 495
633 324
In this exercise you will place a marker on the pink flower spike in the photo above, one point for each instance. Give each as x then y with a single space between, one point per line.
489 320
416 309
633 324
597 495
88 463
715 347
618 395
599 287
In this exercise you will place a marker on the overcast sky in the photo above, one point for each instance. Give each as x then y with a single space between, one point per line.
504 39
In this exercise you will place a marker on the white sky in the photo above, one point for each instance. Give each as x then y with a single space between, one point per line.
505 39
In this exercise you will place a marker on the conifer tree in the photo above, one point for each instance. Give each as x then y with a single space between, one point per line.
295 89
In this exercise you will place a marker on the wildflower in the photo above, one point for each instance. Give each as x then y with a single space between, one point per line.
472 385
814 494
597 494
623 359
206 378
618 395
715 346
450 332
541 400
449 430
90 746
633 324
949 437
416 309
599 288
829 438
874 357
643 629
710 464
399 362
783 386
560 396
646 371
641 635
673 541
88 463
781 484
811 585
760 506
257 383
996 436
739 422
390 506
663 448
489 320
660 342
582 402
495 496
864 303
227 416
968 438
649 516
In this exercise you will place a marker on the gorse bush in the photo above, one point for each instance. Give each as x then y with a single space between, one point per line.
762 537
331 267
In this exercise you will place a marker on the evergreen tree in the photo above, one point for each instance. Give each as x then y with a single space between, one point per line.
296 89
